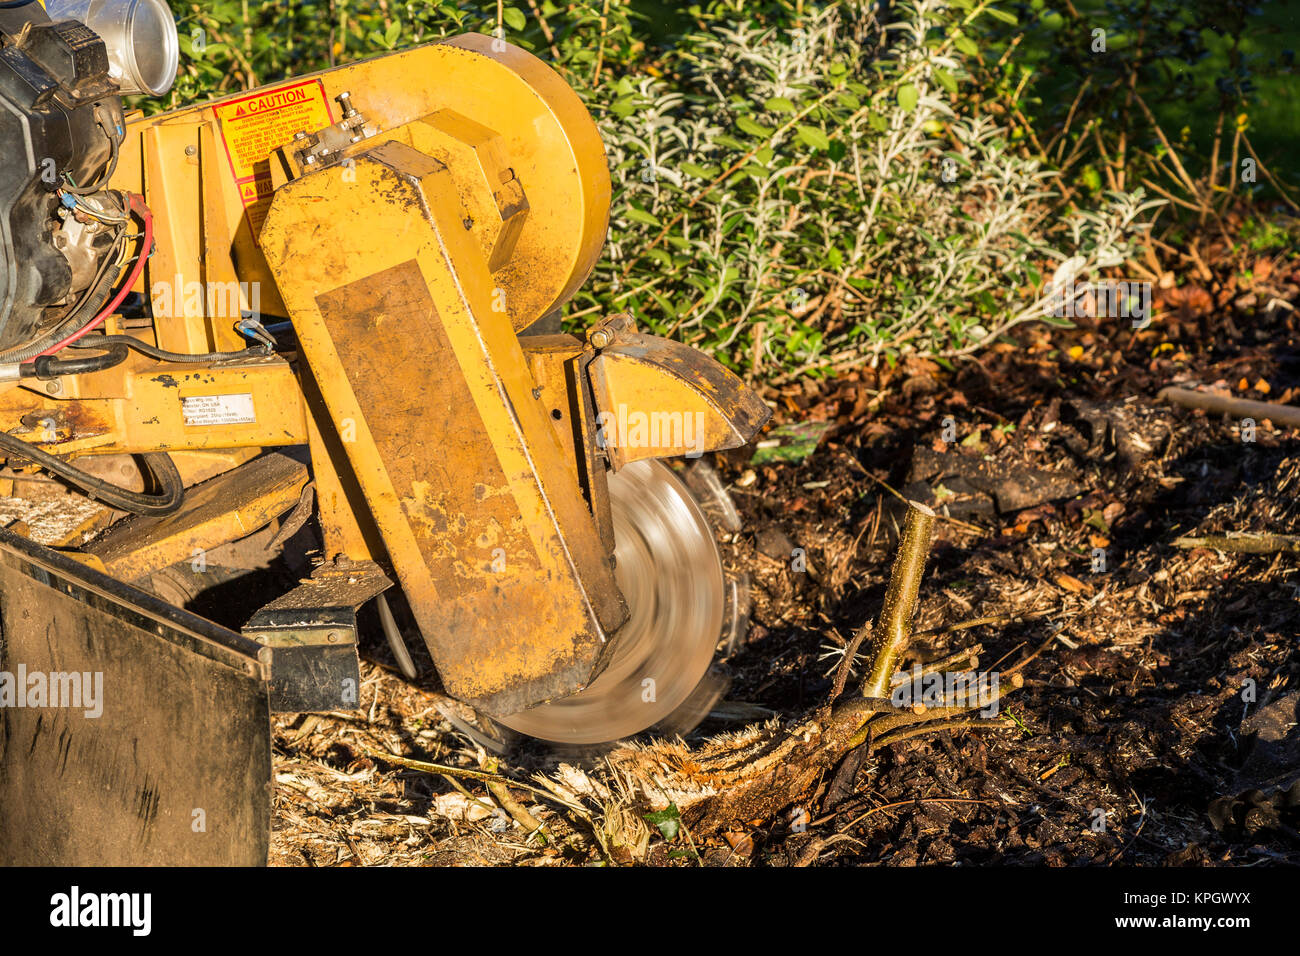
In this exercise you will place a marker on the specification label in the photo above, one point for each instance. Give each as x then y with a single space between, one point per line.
253 127
218 410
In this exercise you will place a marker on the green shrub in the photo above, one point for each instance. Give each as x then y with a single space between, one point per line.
798 188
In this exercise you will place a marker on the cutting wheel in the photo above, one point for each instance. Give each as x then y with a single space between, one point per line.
670 572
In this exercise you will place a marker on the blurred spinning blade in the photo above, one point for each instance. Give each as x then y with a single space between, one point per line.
670 572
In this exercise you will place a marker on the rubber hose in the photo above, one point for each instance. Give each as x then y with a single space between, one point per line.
162 355
47 367
171 487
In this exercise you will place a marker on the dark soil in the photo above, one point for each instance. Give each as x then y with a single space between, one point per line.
1134 703
1158 679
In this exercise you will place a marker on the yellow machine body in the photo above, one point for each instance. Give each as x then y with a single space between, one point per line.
411 215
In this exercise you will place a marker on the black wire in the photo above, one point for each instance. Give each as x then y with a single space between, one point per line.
170 485
46 367
112 167
95 295
162 355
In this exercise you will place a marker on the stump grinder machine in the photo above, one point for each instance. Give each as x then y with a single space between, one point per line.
328 307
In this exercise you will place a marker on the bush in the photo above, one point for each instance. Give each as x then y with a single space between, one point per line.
799 188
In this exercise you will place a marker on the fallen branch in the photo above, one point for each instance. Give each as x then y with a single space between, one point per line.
518 812
1286 415
489 778
1243 543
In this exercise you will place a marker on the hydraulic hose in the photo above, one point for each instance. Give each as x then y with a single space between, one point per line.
47 367
162 355
170 485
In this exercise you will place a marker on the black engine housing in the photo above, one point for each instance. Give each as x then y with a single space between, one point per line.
53 77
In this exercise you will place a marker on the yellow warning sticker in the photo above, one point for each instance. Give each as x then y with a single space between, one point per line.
254 126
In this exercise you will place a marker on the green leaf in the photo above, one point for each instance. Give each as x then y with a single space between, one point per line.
1002 15
779 104
946 80
908 97
747 125
812 136
966 45
669 821
641 216
515 19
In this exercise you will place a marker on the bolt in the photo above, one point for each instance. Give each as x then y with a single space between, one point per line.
334 637
191 150
599 338
53 388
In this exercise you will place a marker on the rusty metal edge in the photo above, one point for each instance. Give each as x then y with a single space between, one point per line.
194 633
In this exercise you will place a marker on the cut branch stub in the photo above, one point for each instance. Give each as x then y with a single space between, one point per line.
895 626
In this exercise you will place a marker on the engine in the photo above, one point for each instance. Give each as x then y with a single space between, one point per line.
62 76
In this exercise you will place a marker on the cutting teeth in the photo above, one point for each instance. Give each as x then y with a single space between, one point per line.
670 572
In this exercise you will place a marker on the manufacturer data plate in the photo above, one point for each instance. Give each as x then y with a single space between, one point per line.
219 410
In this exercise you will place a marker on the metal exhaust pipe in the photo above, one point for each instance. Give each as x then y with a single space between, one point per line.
143 45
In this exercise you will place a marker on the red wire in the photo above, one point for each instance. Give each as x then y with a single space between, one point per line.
137 204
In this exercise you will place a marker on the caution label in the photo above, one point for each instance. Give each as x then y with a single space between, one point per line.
218 410
252 127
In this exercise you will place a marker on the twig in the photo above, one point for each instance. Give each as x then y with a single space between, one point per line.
1285 415
846 664
1244 543
969 657
974 723
600 50
974 529
911 803
426 767
519 813
1286 197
